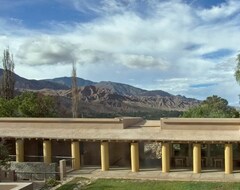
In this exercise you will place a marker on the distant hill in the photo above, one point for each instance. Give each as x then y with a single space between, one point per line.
108 98
127 90
156 93
125 97
67 81
121 89
26 84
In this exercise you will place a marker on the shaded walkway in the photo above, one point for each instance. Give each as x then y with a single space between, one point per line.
156 174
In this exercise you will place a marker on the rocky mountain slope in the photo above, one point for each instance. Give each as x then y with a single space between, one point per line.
107 97
121 96
23 84
67 81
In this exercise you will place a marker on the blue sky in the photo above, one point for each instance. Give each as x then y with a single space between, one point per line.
185 47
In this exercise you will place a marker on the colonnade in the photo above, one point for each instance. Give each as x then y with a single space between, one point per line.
134 149
197 160
47 152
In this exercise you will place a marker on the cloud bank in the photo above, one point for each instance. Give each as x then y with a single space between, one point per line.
168 45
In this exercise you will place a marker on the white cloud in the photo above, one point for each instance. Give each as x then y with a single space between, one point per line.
142 61
166 42
102 7
221 11
46 50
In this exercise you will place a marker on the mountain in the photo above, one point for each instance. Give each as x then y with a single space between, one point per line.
107 97
67 81
121 96
156 93
25 84
111 97
121 89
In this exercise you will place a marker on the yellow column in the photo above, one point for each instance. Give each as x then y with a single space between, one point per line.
75 155
196 158
19 150
104 156
165 158
135 157
228 152
47 152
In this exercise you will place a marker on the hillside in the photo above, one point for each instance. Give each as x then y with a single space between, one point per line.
127 97
106 97
26 84
67 81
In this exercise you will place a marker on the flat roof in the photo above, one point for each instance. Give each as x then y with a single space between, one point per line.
122 129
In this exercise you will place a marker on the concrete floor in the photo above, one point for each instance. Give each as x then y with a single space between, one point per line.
156 174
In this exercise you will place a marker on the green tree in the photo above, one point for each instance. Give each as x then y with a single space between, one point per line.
75 95
4 156
237 71
212 107
8 108
7 81
35 105
28 104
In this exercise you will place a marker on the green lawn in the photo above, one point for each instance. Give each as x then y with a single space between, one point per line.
118 184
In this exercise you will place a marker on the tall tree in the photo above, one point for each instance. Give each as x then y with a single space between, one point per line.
7 82
75 97
4 156
29 104
237 72
212 107
32 104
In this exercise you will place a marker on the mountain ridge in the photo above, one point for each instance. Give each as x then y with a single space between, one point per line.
67 81
31 84
107 96
115 87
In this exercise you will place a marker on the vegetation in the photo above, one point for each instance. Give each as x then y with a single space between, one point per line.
144 114
75 96
4 156
49 183
237 71
117 184
7 80
212 107
28 104
73 184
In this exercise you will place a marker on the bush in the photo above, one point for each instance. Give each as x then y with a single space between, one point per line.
49 183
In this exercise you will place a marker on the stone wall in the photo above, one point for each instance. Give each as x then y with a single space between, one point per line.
34 170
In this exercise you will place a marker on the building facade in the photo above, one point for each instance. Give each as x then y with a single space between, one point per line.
187 143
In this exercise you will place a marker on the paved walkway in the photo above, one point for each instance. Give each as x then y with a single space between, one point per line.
156 174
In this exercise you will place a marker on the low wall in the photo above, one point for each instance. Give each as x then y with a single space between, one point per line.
16 186
34 170
219 124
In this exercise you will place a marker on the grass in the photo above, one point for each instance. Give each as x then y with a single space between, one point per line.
118 184
71 185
